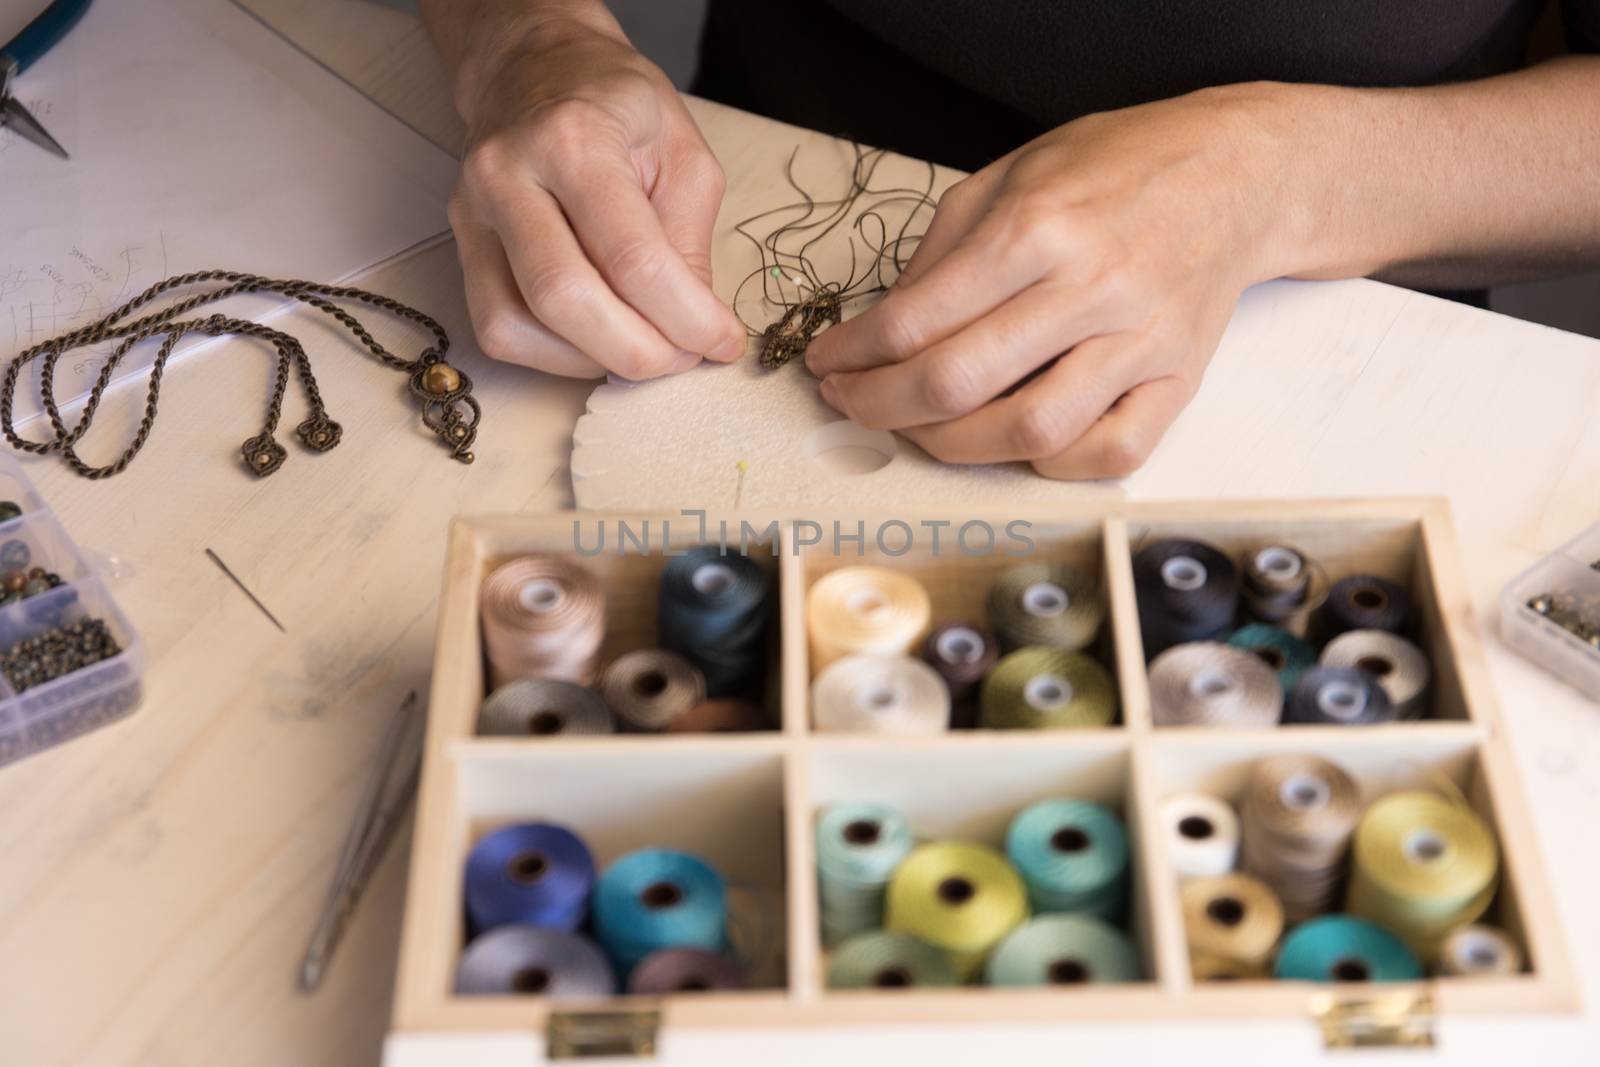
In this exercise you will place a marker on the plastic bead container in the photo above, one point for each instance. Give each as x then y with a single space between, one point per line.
44 715
1566 584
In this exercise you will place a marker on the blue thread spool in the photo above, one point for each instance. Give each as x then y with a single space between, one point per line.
858 848
656 898
1279 649
713 611
538 874
534 961
1073 857
1342 948
1063 950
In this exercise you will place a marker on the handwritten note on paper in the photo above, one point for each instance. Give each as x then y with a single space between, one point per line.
199 141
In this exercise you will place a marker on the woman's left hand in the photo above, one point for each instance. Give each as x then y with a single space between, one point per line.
1102 259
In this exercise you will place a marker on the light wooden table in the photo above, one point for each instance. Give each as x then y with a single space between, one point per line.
159 877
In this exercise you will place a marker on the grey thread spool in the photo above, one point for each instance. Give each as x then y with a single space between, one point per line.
1205 683
1400 667
544 707
1283 586
1296 818
651 687
1338 696
1186 591
1364 602
1046 604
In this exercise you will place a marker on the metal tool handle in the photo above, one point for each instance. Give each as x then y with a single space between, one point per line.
45 32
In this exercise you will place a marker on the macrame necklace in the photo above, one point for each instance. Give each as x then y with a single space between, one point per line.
443 392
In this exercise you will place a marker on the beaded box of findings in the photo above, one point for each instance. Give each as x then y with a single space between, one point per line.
69 660
1202 760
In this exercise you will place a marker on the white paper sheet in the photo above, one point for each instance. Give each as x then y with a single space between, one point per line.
199 140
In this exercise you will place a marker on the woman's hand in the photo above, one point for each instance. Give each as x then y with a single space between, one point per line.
1097 265
584 213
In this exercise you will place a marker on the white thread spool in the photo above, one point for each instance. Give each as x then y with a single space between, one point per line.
1202 835
880 695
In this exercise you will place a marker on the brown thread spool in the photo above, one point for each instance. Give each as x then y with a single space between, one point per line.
542 618
1297 818
718 717
651 688
962 654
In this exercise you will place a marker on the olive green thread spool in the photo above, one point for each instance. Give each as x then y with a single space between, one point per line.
961 898
1233 917
1421 866
1047 689
1048 605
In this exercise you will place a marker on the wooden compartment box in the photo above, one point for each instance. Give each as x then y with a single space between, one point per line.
747 802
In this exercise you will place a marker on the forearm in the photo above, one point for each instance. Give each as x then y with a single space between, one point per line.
1454 186
473 35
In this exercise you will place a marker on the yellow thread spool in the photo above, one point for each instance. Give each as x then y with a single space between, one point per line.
1422 865
1233 917
960 898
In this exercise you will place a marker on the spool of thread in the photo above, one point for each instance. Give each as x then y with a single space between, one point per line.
1186 591
1296 820
883 959
1063 950
875 694
713 611
1364 602
542 618
686 970
1202 834
1399 666
1232 917
1422 865
1475 951
719 717
1277 648
1338 696
535 874
858 848
1048 605
1206 968
1073 857
1204 683
1047 689
544 707
650 687
656 898
531 960
872 610
1341 948
962 654
958 897
1281 586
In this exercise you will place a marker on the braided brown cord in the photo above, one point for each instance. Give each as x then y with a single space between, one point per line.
447 406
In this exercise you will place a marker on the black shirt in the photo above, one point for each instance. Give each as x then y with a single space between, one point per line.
964 81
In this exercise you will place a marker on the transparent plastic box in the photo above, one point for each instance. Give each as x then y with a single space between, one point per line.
44 715
1551 612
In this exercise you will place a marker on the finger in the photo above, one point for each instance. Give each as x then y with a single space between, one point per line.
1047 415
624 237
505 329
1125 436
567 294
977 275
959 209
963 372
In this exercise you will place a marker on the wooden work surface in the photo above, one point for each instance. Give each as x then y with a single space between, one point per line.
160 877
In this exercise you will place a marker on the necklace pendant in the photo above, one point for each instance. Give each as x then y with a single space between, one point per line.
262 454
319 432
448 406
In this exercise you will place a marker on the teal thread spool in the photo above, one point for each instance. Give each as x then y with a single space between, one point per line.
1278 649
656 898
858 848
1073 857
881 959
1063 950
1342 948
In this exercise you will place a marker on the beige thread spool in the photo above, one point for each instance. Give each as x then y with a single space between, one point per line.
872 610
651 688
1400 667
1476 951
1296 819
1206 683
1233 917
880 695
1216 969
542 618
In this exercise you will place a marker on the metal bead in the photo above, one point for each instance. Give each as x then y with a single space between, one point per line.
9 510
1541 604
441 378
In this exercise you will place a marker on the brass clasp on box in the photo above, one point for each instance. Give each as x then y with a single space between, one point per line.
572 1035
1402 1019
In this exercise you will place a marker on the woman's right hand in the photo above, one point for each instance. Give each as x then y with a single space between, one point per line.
584 212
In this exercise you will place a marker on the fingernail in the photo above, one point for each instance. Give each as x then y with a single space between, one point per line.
830 393
730 349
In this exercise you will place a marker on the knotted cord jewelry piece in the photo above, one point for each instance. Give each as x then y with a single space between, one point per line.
444 393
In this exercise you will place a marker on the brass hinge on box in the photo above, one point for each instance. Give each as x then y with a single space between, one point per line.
572 1035
1401 1019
